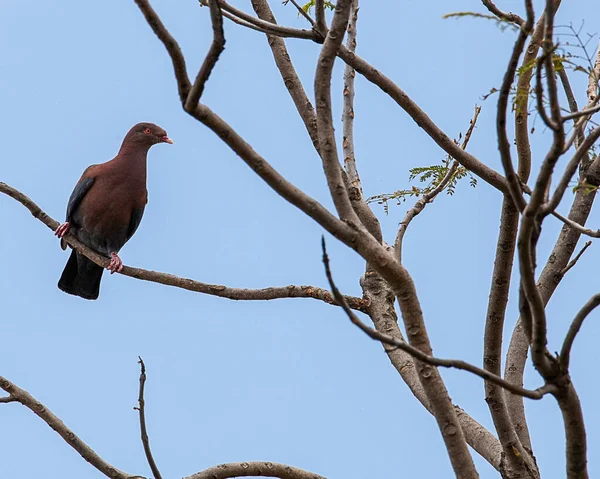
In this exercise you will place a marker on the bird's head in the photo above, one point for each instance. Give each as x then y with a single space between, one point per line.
147 134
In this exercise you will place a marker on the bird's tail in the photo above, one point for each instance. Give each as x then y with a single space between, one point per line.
81 277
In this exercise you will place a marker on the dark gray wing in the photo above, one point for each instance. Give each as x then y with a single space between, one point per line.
136 218
79 192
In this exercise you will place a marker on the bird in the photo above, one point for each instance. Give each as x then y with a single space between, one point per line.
105 210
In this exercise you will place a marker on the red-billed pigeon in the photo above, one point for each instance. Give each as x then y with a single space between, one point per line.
106 208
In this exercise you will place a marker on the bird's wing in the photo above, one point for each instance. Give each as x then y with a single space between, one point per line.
82 187
136 217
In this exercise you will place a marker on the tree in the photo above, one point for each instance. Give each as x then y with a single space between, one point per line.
535 73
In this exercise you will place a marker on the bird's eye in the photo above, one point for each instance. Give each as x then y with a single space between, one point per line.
147 131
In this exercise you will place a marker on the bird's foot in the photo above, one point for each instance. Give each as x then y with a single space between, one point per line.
63 229
116 265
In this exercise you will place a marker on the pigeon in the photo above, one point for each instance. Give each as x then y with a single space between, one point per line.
105 210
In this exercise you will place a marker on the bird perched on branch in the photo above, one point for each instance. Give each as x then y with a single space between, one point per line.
106 208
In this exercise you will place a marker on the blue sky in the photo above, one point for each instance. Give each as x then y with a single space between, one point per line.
289 381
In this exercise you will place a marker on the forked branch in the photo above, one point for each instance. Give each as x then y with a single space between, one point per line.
425 358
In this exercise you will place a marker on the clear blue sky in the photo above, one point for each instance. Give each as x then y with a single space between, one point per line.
290 380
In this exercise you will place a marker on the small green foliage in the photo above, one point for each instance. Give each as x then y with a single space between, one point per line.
432 176
501 24
312 3
585 187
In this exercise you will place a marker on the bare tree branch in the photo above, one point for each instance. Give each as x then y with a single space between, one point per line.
594 78
331 166
242 294
183 82
564 79
539 92
495 397
143 431
254 469
420 117
400 97
570 170
216 48
507 17
288 73
577 226
320 16
419 206
380 299
522 102
549 279
426 358
7 399
348 110
574 261
430 196
513 182
85 451
265 26
570 407
542 359
300 11
584 112
593 99
565 352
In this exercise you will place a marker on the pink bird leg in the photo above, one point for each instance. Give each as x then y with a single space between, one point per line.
116 265
63 229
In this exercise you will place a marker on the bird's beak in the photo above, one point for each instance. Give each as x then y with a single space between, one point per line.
166 139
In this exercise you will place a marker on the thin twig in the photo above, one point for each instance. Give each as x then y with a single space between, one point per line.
565 352
302 12
216 48
7 399
507 17
143 431
264 26
427 198
573 262
577 226
243 294
425 358
577 114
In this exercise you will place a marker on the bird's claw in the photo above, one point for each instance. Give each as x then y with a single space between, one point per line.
63 229
116 265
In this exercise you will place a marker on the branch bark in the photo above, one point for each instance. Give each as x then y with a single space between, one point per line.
565 352
239 294
216 48
427 358
143 430
85 451
254 469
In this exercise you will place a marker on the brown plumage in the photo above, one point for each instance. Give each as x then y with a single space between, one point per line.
106 208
